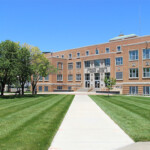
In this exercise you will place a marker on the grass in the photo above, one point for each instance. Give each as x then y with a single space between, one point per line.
131 113
30 122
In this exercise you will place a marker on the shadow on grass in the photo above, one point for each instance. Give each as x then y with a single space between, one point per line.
22 96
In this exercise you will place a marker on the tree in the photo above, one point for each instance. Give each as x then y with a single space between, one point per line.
40 66
8 63
24 67
109 82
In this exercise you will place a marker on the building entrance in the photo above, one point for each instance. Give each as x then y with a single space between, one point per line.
97 80
87 80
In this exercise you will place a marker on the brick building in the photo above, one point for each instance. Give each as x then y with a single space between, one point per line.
126 58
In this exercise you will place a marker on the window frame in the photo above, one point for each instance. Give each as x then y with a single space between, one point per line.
78 65
121 60
132 73
69 65
133 55
71 76
59 75
106 50
77 78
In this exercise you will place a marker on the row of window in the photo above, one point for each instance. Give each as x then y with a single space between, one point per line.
134 73
133 55
46 88
70 77
133 90
45 78
78 76
107 50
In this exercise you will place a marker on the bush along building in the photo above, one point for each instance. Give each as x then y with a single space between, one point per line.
125 58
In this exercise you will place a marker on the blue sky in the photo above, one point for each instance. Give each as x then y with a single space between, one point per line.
55 25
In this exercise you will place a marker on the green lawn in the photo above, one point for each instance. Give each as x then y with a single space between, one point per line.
131 113
30 122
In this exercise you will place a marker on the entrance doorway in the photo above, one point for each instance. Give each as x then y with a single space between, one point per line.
97 80
87 80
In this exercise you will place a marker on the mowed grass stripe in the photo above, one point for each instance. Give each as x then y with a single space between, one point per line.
131 106
17 119
129 117
41 129
23 105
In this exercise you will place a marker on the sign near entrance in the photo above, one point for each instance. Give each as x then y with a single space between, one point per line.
91 70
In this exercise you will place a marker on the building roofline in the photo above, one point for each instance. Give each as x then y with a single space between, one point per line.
102 43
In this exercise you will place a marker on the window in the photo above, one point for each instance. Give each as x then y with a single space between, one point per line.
41 78
119 61
57 56
107 75
70 66
133 90
87 76
78 77
69 87
47 78
97 51
119 75
87 53
78 64
133 55
40 88
60 65
97 63
146 72
45 88
107 50
70 77
87 64
134 73
59 87
70 56
78 55
107 62
146 90
59 77
62 56
118 48
146 53
97 76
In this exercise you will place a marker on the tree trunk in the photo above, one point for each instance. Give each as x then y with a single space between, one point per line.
22 88
2 89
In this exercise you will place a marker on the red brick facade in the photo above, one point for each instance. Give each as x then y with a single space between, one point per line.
128 70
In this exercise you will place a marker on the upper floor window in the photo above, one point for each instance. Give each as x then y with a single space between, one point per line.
78 77
146 72
119 75
107 62
70 66
97 76
78 64
118 48
97 63
59 65
146 53
62 56
47 78
87 64
59 77
134 73
107 75
119 61
96 51
70 77
87 76
134 55
70 56
78 55
107 50
40 78
87 53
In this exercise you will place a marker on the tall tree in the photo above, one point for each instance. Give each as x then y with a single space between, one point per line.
109 82
24 67
40 66
8 63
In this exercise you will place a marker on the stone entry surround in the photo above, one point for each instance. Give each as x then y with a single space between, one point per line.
87 127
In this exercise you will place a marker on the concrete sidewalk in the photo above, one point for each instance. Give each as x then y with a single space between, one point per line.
87 127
